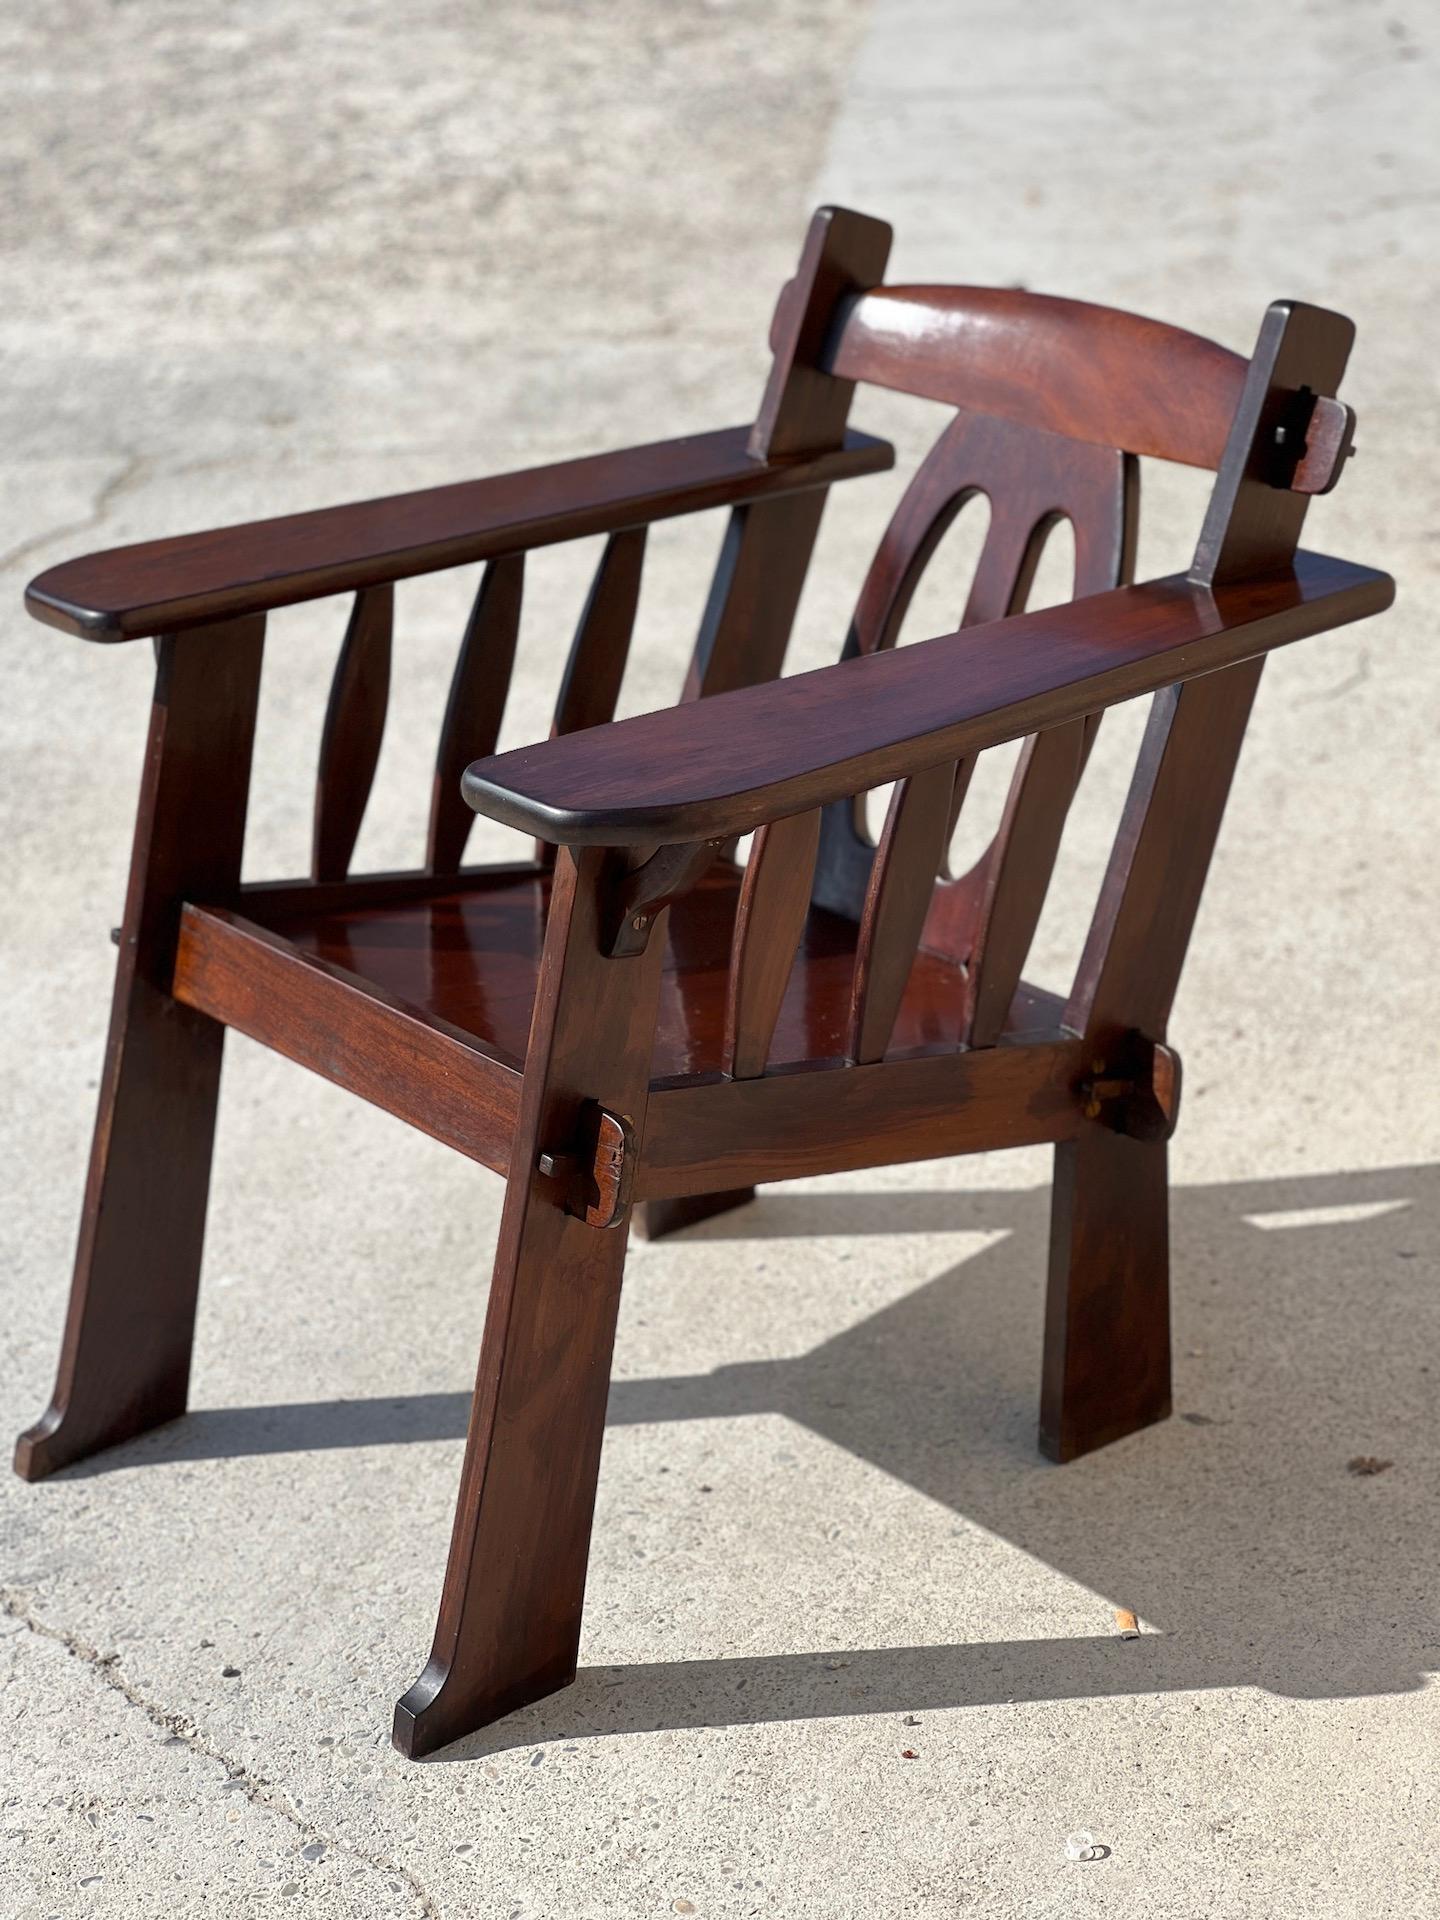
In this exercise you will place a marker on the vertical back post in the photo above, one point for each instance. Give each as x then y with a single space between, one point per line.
1107 1311
1136 947
756 588
1254 519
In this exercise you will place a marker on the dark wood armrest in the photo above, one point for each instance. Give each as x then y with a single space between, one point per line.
161 586
725 765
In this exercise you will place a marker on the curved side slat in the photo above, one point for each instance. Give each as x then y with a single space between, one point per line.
902 883
1010 558
1092 373
986 920
602 639
354 727
937 492
475 707
770 917
1017 874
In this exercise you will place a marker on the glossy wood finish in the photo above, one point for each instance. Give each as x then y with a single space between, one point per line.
770 916
125 1361
1089 373
167 585
832 1117
601 647
408 1059
274 900
754 593
509 1623
1253 524
354 728
1135 950
902 884
1010 884
468 959
1108 1293
634 1022
1106 1366
985 920
1031 482
476 705
804 404
761 752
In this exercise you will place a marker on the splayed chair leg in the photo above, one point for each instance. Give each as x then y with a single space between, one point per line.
509 1625
657 1218
125 1363
1107 1320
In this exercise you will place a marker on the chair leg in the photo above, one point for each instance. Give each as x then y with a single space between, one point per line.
1107 1320
509 1625
125 1361
655 1219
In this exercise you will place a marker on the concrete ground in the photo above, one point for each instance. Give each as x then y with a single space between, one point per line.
294 253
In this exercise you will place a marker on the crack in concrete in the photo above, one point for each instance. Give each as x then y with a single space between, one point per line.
115 488
180 1727
1356 678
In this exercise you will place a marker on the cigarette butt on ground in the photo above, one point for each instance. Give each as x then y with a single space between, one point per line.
1126 1625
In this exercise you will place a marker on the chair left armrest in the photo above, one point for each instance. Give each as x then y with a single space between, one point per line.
720 767
194 579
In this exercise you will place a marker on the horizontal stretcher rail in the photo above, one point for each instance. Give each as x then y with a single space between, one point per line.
421 1069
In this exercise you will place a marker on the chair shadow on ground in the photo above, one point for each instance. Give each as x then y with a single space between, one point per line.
1305 1321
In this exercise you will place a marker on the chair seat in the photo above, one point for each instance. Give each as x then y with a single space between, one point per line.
469 956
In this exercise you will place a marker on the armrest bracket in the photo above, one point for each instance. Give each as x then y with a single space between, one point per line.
640 893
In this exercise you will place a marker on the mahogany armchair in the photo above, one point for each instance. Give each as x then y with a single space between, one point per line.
630 1022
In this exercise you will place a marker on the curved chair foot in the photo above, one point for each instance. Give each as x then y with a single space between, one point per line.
62 1435
438 1710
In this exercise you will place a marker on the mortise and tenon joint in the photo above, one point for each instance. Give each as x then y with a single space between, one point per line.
597 1171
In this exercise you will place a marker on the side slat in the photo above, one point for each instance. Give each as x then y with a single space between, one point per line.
1009 561
602 639
754 593
1017 876
902 882
769 919
476 705
987 918
1031 481
945 480
354 727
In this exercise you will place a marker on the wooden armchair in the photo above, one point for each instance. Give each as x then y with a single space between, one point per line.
630 1020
